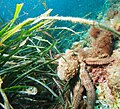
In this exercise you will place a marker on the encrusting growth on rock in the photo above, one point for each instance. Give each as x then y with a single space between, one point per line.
68 65
97 67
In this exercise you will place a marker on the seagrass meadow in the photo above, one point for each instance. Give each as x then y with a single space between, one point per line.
60 62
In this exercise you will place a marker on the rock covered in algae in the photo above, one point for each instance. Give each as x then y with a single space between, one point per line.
108 98
114 71
109 90
68 65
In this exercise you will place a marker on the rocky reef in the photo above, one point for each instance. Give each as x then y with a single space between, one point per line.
97 66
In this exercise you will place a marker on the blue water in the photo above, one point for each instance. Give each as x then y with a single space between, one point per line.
33 8
74 8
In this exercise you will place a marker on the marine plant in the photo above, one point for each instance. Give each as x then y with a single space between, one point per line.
27 68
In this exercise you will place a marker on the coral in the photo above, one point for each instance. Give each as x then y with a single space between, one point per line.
98 75
105 96
114 77
68 65
116 53
114 71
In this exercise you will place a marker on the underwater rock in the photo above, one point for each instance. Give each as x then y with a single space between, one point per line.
118 27
68 65
113 19
109 87
111 13
99 67
114 71
106 97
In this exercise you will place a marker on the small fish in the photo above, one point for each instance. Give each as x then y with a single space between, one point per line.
29 91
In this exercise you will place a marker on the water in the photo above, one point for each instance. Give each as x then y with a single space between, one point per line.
33 8
76 8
